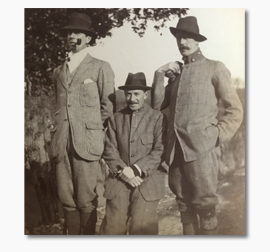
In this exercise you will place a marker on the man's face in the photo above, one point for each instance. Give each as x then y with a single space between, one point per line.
135 98
187 46
72 38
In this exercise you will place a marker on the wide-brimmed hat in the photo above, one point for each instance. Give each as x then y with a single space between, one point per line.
188 27
80 22
135 81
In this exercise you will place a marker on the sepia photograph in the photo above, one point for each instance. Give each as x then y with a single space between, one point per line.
128 128
138 128
134 121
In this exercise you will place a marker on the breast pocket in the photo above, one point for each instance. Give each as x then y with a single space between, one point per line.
89 94
147 143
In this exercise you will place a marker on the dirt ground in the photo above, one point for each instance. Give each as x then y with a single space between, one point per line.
231 210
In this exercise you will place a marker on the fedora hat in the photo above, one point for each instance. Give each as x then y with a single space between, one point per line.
188 27
81 22
135 81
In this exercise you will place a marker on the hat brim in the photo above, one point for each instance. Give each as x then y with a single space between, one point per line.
134 88
78 28
197 37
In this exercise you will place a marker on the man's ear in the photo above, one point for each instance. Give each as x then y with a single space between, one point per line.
88 39
145 94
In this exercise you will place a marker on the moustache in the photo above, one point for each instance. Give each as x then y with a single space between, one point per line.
184 47
132 103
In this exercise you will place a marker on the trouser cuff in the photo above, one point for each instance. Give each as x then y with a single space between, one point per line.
206 213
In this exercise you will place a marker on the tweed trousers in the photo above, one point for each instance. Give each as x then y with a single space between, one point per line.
195 183
77 180
129 206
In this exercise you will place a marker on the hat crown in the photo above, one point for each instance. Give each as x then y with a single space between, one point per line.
188 27
135 81
79 21
188 24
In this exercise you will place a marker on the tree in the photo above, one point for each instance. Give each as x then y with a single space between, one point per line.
45 45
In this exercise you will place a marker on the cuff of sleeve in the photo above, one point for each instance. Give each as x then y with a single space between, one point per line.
137 170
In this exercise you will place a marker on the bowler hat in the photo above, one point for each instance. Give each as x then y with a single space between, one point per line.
188 27
81 22
135 81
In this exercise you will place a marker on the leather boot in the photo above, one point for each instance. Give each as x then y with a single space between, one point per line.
88 222
208 225
72 223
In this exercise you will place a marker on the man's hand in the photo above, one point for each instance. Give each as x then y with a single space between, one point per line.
170 69
136 181
126 174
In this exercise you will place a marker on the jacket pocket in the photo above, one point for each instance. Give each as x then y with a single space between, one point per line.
95 137
89 94
147 139
153 188
202 140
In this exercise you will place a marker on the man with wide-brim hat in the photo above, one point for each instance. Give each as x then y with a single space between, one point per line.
134 147
195 87
80 23
83 85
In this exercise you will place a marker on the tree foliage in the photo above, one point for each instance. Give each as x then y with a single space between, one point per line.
45 45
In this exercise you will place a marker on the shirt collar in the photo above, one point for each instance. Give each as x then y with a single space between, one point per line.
196 56
75 59
79 56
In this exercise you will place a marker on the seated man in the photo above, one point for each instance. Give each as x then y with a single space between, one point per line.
134 149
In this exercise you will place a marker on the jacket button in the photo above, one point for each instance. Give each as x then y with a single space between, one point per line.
65 120
69 105
69 92
132 141
132 155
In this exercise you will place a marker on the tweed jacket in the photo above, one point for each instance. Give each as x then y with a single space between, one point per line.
82 107
192 98
136 138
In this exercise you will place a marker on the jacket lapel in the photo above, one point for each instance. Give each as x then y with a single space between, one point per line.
63 74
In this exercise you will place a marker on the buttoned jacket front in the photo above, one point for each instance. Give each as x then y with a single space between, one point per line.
193 98
136 138
82 107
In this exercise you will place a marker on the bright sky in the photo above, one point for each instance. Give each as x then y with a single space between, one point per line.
127 52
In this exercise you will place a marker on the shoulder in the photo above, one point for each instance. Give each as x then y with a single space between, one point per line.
215 63
56 70
153 113
101 63
120 114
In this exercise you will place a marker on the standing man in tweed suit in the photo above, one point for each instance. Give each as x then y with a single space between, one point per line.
82 87
194 132
134 149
